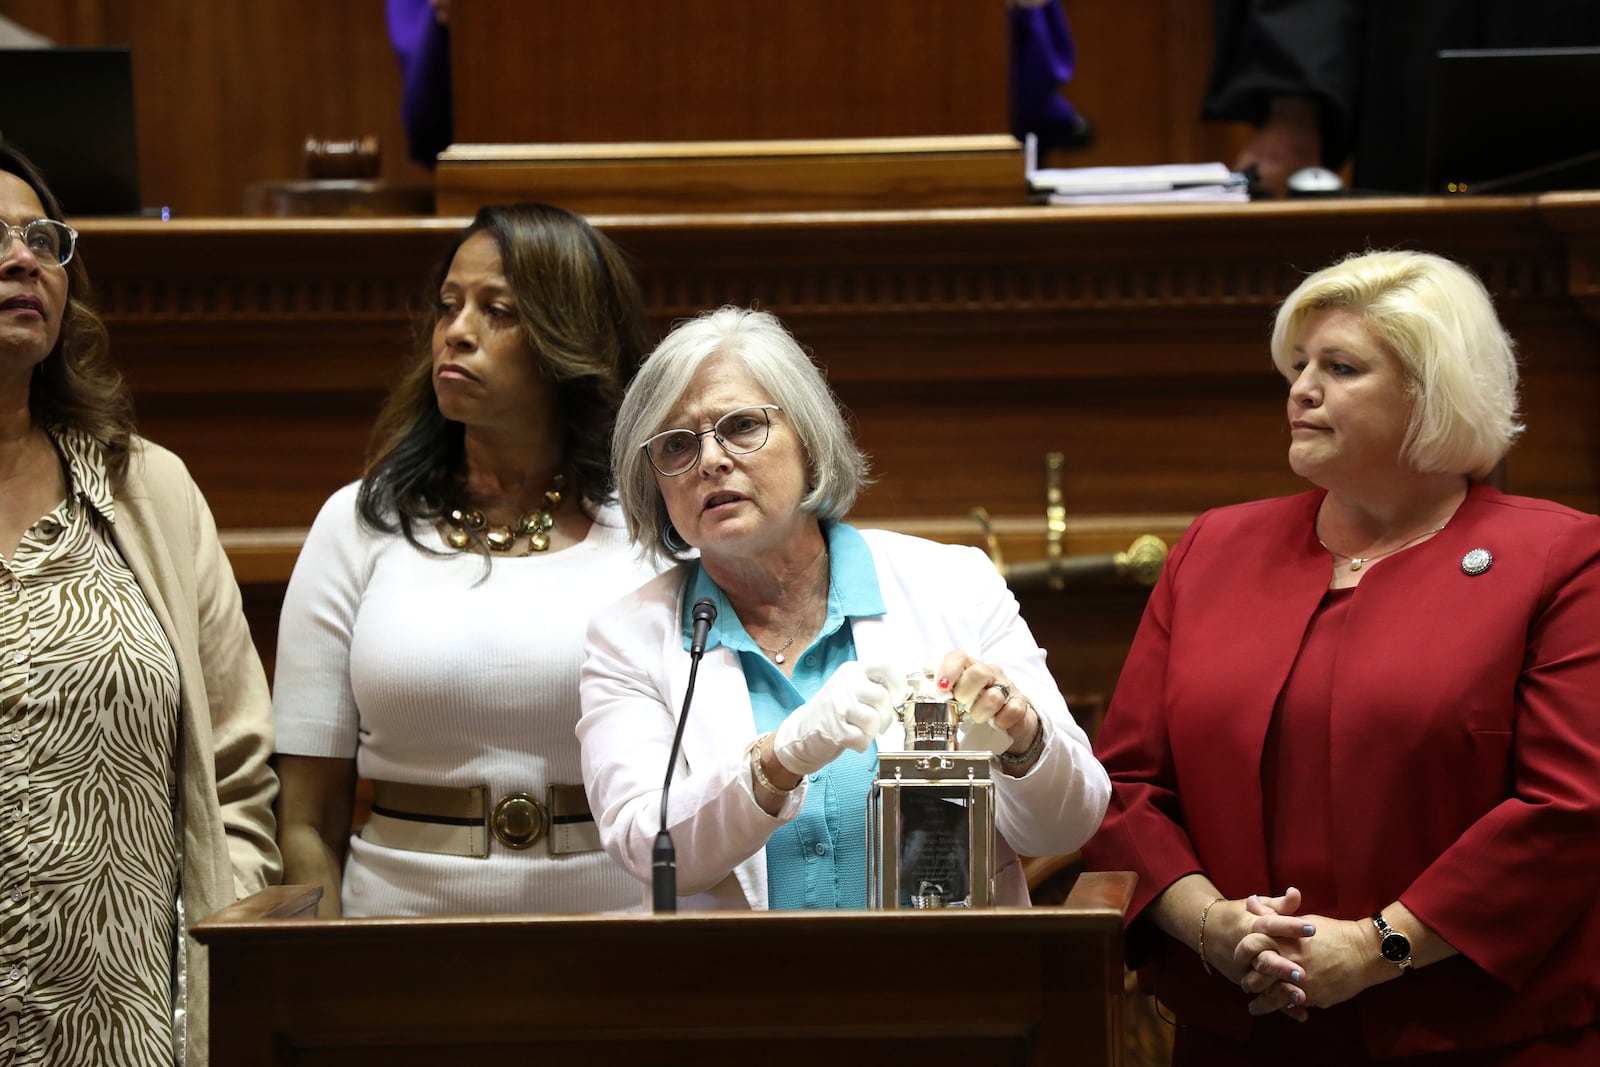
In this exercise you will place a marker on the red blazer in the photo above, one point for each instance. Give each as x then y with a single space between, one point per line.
1465 758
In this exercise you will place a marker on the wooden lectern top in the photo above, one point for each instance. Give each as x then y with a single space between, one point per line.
722 177
1013 985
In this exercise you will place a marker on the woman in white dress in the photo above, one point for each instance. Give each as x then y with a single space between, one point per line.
433 629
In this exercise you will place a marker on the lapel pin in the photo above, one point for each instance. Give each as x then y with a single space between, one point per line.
1477 561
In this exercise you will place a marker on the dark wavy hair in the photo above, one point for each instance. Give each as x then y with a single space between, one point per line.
580 310
76 387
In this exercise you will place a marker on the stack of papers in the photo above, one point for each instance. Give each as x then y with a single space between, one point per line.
1168 182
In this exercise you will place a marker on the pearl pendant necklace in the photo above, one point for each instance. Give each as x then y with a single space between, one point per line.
777 653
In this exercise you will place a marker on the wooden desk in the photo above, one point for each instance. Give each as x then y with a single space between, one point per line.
967 343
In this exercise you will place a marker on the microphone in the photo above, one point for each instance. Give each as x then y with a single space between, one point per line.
705 613
663 857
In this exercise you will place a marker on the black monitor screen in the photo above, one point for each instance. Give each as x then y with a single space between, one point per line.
1514 120
70 110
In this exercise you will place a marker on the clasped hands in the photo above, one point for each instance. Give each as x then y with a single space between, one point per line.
858 703
1290 962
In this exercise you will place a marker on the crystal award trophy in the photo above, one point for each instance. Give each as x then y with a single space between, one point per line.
930 814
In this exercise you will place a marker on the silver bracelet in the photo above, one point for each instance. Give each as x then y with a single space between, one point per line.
1031 753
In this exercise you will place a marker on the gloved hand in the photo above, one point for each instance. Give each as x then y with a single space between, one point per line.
852 708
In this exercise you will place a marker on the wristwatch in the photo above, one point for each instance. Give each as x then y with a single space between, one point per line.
1392 944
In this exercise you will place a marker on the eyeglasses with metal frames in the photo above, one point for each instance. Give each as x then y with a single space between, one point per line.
739 432
51 242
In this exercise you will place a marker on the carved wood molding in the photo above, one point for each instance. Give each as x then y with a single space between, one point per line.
958 265
248 301
272 273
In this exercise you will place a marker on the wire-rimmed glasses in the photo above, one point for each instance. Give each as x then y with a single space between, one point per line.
51 242
741 431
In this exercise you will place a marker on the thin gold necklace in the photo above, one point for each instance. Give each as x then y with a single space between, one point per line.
1357 562
460 526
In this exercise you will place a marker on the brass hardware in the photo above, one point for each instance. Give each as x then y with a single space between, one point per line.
518 820
1143 560
1055 518
1140 563
980 515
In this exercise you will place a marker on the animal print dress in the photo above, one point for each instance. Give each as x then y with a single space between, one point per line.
88 855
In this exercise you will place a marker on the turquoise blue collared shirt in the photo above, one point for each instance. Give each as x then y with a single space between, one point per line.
819 860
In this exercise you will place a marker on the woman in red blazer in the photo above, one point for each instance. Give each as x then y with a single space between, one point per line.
1383 693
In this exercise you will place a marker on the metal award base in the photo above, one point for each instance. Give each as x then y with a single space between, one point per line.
930 831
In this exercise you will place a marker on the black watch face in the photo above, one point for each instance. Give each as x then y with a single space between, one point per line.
1396 947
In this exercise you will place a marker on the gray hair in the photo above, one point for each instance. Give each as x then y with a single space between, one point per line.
838 469
1438 320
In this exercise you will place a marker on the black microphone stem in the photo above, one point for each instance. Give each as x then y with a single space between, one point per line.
663 856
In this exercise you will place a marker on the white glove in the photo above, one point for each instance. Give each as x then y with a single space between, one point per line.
853 708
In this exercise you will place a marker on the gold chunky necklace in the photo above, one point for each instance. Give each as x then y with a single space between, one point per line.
460 526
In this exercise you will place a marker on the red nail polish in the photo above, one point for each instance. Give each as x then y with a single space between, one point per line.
944 683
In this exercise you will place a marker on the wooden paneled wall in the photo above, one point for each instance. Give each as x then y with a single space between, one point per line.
228 90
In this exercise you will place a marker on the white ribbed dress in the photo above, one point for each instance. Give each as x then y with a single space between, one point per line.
427 671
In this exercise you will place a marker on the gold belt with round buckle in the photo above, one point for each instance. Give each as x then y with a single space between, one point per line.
519 820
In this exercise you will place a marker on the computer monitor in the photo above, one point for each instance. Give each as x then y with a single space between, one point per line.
1514 121
70 111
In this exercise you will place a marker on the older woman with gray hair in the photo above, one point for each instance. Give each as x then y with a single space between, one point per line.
732 457
1354 744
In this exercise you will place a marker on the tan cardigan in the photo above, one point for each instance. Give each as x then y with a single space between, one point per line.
165 532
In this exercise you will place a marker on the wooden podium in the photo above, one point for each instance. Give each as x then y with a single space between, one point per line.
1006 986
569 71
681 106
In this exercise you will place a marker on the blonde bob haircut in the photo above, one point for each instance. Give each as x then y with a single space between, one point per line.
1437 318
837 467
